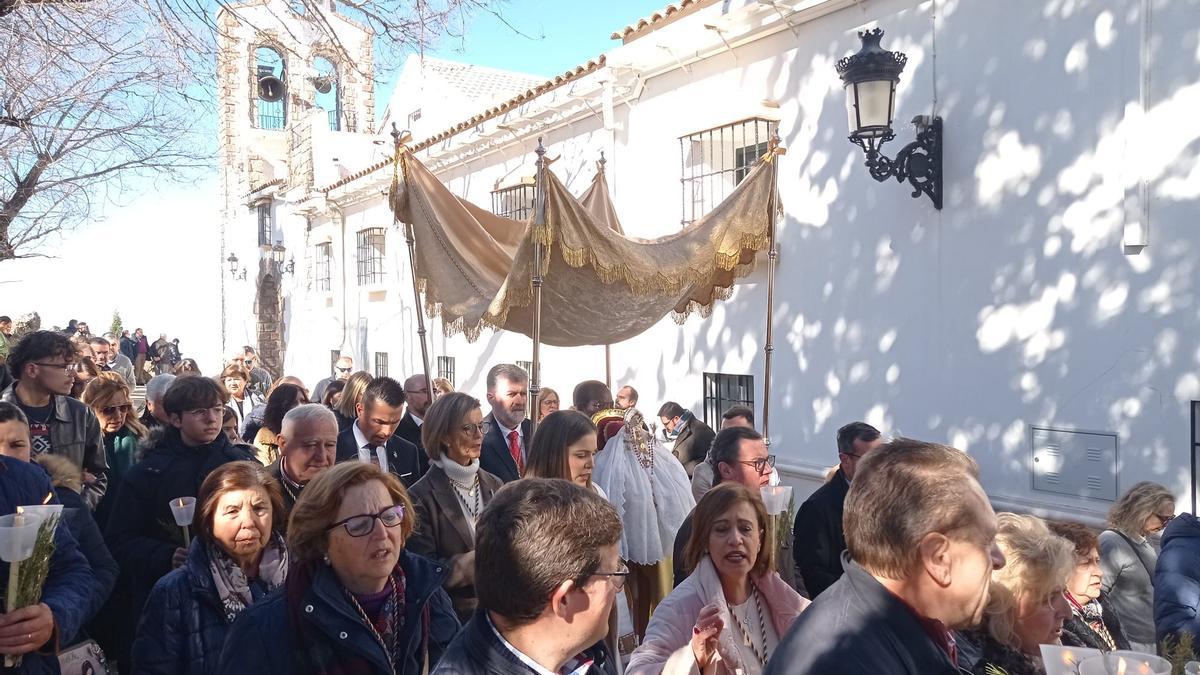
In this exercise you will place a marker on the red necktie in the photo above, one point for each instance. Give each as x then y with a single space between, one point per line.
514 449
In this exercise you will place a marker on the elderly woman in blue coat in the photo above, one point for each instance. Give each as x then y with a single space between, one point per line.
356 601
237 557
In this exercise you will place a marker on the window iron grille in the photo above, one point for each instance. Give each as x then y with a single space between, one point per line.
381 364
370 255
323 264
334 354
713 162
514 202
445 368
264 223
722 390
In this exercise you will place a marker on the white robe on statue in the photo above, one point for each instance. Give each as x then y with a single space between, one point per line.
649 488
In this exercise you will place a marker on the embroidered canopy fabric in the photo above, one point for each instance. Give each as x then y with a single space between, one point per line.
600 286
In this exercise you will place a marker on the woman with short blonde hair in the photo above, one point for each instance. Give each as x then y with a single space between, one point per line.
1129 556
108 396
349 568
1026 606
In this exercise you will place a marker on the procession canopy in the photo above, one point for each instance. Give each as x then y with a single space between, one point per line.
600 286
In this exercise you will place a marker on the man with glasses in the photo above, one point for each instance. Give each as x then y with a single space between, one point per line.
341 371
141 531
738 455
692 436
817 536
546 555
416 394
43 364
260 378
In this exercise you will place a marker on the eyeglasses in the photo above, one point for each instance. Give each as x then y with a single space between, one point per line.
618 577
1165 519
112 410
762 465
248 362
344 370
55 366
363 524
481 429
417 391
216 411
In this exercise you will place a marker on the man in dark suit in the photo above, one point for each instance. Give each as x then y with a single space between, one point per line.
416 395
693 437
818 539
506 440
374 430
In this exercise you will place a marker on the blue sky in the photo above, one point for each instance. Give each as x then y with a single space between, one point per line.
546 37
557 34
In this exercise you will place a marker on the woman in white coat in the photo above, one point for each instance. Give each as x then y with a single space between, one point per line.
728 616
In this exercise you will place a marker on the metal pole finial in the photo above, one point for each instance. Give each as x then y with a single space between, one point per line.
602 161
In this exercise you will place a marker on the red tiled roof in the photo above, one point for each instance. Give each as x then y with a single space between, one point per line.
660 18
491 113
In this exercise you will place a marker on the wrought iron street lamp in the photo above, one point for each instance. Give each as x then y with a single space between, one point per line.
233 267
870 77
277 253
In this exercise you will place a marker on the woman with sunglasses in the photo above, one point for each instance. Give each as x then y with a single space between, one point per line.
452 494
355 600
108 396
1128 556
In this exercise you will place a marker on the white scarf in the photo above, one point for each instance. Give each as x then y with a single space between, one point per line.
460 476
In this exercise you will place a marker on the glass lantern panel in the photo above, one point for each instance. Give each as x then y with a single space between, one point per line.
873 114
875 103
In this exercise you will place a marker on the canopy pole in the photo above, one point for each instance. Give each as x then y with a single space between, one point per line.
607 347
772 259
418 309
539 220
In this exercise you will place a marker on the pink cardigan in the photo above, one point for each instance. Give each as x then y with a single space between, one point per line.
667 648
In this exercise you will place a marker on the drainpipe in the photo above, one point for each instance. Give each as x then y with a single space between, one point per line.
341 216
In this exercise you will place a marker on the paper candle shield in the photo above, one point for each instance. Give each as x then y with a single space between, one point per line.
776 498
16 541
1125 662
183 508
47 512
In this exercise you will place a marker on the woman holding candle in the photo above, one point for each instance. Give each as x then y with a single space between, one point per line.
733 608
141 529
1026 605
237 557
452 494
355 600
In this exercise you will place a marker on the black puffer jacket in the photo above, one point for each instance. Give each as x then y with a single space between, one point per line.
142 533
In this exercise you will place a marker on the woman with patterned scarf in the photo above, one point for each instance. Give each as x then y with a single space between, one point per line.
237 557
1093 621
356 601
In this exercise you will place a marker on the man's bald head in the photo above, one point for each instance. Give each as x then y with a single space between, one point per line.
416 394
591 396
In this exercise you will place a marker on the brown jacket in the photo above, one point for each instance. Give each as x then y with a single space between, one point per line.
443 534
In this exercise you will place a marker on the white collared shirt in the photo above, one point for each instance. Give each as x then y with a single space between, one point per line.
505 431
360 439
416 419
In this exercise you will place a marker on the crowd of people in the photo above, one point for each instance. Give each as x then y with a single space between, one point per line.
370 525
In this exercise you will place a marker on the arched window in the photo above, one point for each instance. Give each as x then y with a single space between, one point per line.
270 92
328 92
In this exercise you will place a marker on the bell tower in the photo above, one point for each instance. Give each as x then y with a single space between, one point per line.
284 79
